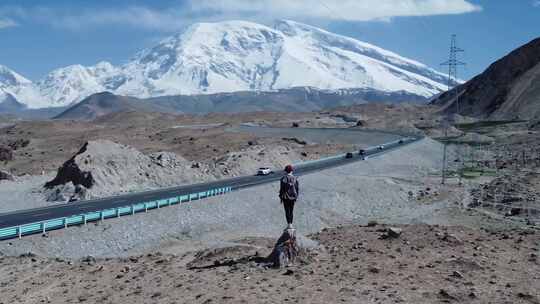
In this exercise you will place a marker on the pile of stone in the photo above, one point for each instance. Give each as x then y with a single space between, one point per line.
104 168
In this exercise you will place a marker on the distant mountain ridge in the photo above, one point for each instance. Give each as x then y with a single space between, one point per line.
286 100
233 56
508 89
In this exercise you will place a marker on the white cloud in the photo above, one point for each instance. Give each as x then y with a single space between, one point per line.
352 10
174 18
170 19
6 22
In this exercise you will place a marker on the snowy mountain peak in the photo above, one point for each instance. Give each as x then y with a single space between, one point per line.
240 56
14 88
9 78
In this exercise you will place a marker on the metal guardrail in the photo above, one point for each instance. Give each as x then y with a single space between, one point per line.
81 219
60 223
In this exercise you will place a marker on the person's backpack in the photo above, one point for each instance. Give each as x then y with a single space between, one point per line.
289 182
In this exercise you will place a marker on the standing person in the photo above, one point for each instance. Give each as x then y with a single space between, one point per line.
288 194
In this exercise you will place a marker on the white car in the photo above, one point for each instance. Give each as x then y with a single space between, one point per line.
381 147
264 171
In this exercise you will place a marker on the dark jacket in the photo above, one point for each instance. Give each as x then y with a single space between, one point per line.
284 192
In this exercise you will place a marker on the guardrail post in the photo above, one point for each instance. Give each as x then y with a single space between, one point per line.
65 222
132 210
84 218
19 231
157 204
169 202
117 212
43 228
101 215
145 207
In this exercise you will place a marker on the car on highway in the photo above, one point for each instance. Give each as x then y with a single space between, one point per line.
401 141
362 152
264 171
381 147
349 155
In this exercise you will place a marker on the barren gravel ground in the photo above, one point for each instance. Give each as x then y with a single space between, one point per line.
209 251
376 189
426 264
23 193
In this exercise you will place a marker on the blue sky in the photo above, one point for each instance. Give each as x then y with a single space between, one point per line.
39 36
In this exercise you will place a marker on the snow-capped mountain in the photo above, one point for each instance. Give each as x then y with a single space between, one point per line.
74 83
238 56
15 86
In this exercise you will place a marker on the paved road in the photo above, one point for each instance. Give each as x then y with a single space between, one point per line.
23 217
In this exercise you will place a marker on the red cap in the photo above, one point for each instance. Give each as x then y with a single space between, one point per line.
289 168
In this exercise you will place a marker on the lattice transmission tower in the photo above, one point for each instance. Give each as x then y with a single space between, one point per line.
453 85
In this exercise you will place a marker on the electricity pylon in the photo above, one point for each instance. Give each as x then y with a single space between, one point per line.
453 85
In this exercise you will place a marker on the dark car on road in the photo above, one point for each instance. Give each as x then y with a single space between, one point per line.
362 152
349 155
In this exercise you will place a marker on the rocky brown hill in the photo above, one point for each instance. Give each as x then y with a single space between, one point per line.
300 99
104 103
508 89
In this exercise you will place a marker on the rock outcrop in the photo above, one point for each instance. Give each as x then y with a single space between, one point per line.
286 249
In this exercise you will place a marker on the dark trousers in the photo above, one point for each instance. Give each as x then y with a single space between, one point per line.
289 208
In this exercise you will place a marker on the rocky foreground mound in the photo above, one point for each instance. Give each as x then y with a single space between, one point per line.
354 264
103 168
